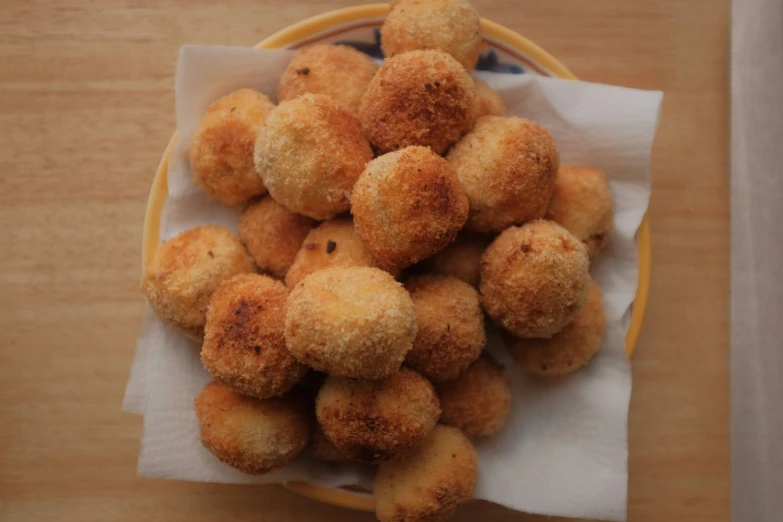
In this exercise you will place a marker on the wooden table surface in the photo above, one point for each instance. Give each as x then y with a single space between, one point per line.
86 108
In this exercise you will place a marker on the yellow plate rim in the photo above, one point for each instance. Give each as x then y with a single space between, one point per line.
316 24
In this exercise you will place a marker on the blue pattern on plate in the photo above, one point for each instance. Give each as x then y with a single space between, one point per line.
487 62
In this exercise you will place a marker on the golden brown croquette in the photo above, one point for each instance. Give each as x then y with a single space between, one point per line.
309 153
221 152
450 326
255 436
273 235
569 349
488 101
244 346
407 205
534 279
478 401
181 277
350 321
418 98
452 26
461 259
508 168
429 484
582 203
332 243
338 71
374 421
321 448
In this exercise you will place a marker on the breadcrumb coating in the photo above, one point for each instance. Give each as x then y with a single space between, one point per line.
186 270
488 101
534 279
461 259
373 421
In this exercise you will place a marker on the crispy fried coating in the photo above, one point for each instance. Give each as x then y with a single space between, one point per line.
374 421
309 153
221 153
569 349
582 203
408 205
350 321
488 101
244 346
534 279
418 98
450 326
461 259
428 485
273 235
321 448
181 277
339 71
255 436
332 243
479 400
508 168
452 26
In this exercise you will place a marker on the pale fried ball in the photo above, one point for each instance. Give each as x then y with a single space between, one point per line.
428 485
418 98
508 167
244 346
461 259
450 326
321 448
478 401
255 436
181 277
569 349
332 243
338 71
408 205
452 26
273 235
221 153
534 279
488 101
352 322
582 203
309 153
374 421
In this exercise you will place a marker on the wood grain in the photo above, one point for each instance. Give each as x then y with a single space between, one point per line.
86 108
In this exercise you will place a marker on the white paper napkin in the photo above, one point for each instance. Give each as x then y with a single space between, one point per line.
564 449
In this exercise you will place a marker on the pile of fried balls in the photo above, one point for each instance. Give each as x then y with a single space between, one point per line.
387 211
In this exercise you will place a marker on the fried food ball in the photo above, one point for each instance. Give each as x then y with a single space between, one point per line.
310 153
479 400
450 326
418 98
488 101
221 153
428 485
582 203
244 346
374 421
461 259
339 71
321 448
181 277
255 436
451 26
351 322
534 279
508 168
273 235
332 243
408 205
569 349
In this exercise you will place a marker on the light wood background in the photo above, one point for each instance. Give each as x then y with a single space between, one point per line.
86 108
